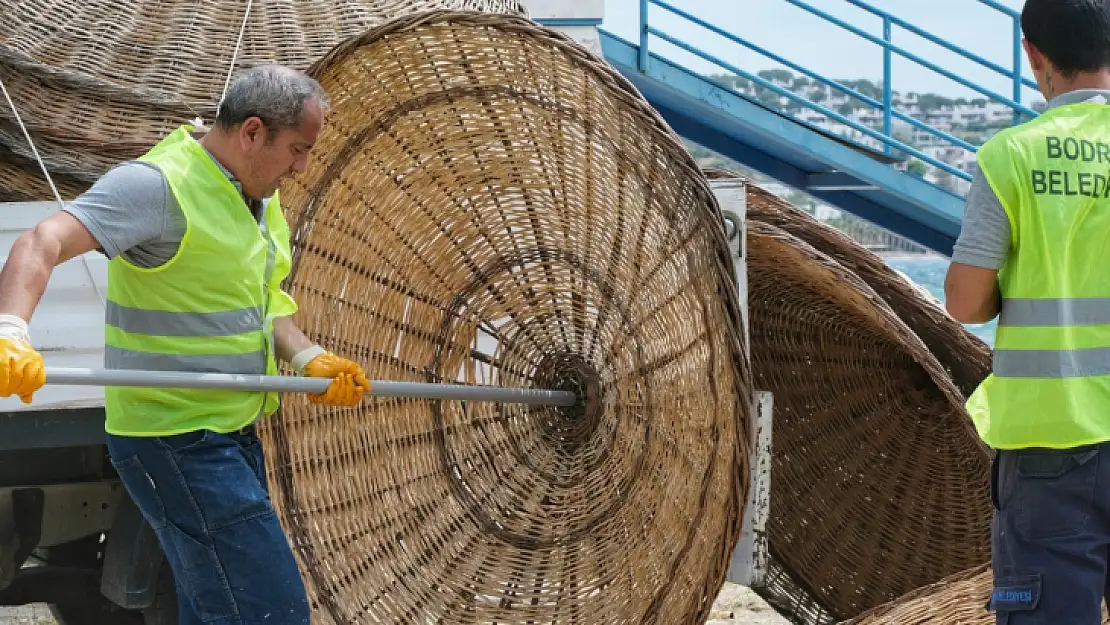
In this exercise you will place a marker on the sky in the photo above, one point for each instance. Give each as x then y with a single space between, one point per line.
834 52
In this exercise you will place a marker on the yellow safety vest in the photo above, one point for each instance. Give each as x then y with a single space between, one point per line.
1050 385
208 309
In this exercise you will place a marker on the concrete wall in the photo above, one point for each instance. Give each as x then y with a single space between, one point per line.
578 19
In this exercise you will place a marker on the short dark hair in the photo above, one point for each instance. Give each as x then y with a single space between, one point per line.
273 93
1073 34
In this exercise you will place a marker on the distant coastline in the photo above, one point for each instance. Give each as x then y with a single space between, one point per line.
901 255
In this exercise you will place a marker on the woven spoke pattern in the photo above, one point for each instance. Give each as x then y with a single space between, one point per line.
489 203
100 81
880 484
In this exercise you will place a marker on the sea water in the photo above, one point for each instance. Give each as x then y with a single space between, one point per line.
929 271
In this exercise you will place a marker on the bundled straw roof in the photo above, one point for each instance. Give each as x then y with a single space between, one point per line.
100 81
490 202
879 482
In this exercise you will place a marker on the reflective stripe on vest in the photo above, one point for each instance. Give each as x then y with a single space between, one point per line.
1074 311
1051 363
1050 380
247 363
164 323
1053 313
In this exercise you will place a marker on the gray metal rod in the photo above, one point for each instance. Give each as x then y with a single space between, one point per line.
294 384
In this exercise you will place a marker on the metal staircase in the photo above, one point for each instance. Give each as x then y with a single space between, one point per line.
865 175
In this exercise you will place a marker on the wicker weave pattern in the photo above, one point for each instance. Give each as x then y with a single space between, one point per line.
100 81
880 484
22 180
489 202
959 599
182 48
966 357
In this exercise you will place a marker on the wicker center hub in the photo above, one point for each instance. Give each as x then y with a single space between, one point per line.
570 426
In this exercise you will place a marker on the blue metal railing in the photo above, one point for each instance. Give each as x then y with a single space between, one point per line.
884 136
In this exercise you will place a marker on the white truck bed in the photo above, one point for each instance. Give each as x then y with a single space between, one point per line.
68 325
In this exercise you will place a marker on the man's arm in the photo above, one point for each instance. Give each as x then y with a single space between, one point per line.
125 208
33 257
290 341
971 293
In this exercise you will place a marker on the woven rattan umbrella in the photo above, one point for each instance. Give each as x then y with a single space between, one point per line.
181 49
489 202
100 81
965 356
879 482
959 599
22 180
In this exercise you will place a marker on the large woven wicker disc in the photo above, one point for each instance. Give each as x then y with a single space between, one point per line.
100 81
79 124
22 180
182 49
956 600
490 203
964 356
879 482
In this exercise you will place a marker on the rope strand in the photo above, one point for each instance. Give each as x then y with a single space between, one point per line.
234 56
27 135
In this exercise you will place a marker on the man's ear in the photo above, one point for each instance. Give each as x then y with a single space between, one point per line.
1036 59
250 131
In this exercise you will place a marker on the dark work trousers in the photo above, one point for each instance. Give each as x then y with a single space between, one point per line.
205 495
1050 535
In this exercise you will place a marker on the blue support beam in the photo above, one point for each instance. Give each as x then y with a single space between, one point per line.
850 177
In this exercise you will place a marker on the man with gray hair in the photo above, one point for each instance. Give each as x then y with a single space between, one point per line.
198 250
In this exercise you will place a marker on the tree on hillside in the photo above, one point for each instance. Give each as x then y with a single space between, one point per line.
916 168
932 101
780 75
769 98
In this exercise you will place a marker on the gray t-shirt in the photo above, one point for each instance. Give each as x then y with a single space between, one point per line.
131 212
984 237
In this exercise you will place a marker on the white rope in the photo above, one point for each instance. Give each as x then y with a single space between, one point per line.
234 55
27 135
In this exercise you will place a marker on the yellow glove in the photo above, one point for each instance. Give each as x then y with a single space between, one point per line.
22 371
349 382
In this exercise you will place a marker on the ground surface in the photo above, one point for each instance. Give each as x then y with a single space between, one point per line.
735 605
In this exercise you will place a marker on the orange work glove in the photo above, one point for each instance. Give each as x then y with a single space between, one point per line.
22 371
349 382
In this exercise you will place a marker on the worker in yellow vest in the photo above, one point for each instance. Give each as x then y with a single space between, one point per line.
198 249
1034 250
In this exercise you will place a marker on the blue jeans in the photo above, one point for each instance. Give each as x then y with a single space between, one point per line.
205 495
1050 535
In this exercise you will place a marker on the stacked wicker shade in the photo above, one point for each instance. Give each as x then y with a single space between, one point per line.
100 81
960 599
965 356
879 482
490 203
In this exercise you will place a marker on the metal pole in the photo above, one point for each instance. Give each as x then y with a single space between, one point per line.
1017 68
293 384
643 57
888 89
